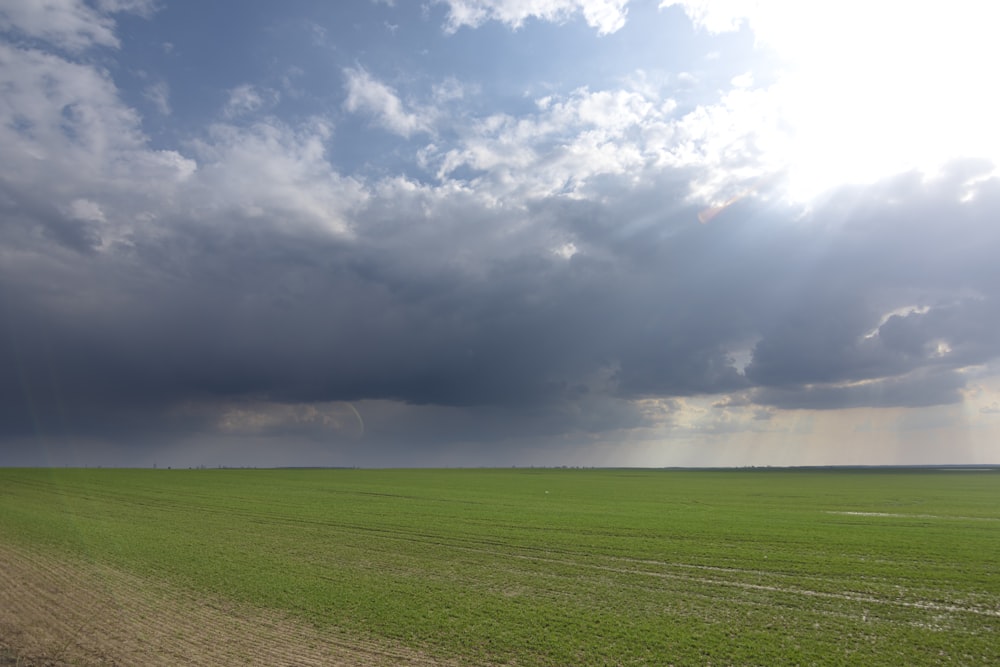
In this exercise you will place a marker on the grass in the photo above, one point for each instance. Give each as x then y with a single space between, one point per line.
561 567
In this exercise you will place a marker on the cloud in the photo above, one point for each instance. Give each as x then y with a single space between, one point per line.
158 95
69 137
144 8
242 100
562 149
536 275
717 16
923 388
265 285
321 419
571 143
895 309
366 94
71 25
273 172
607 16
54 103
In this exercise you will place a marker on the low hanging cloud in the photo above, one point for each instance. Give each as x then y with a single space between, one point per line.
217 308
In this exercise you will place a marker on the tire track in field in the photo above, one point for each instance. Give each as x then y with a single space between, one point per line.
559 557
565 558
60 611
926 605
897 515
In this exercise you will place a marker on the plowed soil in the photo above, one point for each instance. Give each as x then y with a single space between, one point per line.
55 611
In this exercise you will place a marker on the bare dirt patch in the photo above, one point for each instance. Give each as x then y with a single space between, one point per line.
56 611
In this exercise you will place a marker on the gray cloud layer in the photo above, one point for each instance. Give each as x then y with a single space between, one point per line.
409 310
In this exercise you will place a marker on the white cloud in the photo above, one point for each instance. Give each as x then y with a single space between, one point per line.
158 95
566 250
141 7
607 16
69 24
568 142
574 143
84 209
245 99
449 90
715 16
744 80
730 144
366 94
72 25
64 126
71 143
273 172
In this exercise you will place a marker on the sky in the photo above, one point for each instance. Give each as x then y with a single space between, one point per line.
498 233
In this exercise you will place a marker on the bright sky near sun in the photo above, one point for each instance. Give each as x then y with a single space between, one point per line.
496 232
872 89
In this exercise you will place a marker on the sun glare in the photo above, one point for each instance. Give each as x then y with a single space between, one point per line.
877 88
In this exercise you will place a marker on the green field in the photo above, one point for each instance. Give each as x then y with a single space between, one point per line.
560 567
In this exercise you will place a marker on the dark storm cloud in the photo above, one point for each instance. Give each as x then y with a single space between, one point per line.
653 305
905 245
919 389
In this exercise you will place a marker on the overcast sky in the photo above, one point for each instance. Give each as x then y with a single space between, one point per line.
498 232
